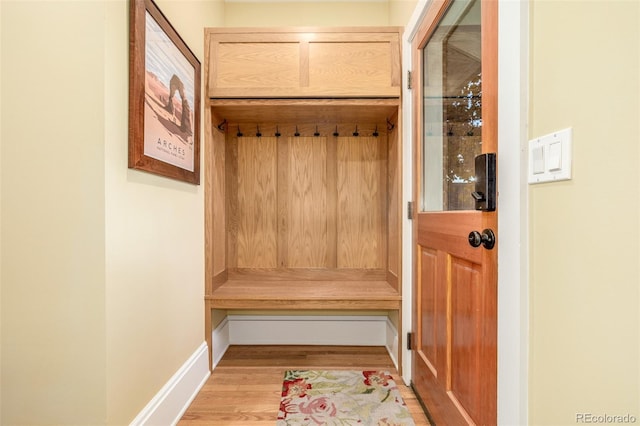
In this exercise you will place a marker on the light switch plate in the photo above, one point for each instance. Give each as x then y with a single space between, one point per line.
550 157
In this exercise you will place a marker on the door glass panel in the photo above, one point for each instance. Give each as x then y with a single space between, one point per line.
451 111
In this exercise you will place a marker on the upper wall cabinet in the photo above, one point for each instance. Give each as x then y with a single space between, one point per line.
303 62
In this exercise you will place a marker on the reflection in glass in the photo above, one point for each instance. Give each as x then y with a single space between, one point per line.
452 119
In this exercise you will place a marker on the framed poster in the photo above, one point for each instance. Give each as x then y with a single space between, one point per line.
164 97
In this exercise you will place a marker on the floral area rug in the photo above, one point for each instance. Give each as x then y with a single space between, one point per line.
344 398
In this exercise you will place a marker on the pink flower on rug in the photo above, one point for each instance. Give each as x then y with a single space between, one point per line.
297 387
287 407
375 378
319 409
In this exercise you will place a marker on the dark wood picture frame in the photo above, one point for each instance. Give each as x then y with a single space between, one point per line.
164 97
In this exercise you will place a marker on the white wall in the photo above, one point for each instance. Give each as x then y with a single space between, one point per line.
261 13
101 266
53 213
274 14
585 74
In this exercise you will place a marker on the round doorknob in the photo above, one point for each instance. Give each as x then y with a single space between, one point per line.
475 239
487 239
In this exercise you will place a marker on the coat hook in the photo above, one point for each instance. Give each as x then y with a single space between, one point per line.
356 132
336 134
375 132
223 126
258 134
390 125
239 134
297 133
316 134
278 134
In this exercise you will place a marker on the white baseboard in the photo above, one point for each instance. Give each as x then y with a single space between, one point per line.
220 341
374 330
174 398
307 330
392 342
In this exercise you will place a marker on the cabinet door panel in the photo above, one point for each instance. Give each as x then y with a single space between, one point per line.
257 65
351 66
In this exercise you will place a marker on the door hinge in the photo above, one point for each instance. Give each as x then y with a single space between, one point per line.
410 211
409 83
410 341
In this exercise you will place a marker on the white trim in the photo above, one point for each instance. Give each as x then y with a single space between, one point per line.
170 403
407 191
413 25
220 341
392 342
513 267
513 296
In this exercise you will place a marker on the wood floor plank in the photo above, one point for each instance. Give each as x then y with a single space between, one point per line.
245 387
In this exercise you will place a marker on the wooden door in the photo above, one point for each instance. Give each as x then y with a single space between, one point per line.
455 290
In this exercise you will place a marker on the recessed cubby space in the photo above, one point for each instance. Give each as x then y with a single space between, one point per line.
302 194
306 203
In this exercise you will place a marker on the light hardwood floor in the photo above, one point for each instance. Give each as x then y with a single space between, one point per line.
244 389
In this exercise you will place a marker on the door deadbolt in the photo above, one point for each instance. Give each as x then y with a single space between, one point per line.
487 239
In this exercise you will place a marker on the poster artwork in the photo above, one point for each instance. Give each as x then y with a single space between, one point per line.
169 99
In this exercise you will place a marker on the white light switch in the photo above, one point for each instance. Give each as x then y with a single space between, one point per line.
550 157
538 160
555 156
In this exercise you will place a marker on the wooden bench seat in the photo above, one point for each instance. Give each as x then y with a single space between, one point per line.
305 294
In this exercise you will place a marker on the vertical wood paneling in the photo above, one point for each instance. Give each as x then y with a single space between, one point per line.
332 202
443 317
466 335
360 213
382 146
218 208
283 202
307 202
257 202
310 202
209 200
394 177
396 66
211 68
427 304
231 201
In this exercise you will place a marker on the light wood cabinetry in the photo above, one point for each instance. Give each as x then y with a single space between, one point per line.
302 170
303 63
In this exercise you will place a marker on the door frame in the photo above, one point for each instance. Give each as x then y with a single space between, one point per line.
513 220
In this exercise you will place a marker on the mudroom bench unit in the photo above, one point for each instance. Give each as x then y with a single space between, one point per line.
302 172
274 292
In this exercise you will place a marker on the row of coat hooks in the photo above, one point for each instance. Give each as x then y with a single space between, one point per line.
223 128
